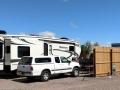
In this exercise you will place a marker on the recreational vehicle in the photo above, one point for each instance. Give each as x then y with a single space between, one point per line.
13 47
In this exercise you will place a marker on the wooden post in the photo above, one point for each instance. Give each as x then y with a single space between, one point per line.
94 62
111 60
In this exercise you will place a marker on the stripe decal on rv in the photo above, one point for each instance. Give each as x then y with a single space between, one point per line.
17 43
65 51
26 41
71 52
12 60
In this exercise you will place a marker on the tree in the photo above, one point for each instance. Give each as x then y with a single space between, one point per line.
88 47
96 44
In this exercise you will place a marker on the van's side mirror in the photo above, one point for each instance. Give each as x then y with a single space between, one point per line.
69 61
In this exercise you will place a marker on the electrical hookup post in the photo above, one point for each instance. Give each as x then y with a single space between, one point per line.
113 70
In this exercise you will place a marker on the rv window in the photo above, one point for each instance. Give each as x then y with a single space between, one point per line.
57 60
42 60
7 49
1 48
23 51
71 48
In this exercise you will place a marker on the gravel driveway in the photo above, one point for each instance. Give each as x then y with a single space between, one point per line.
8 82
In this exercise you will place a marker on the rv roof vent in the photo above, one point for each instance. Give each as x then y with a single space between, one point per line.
64 38
3 32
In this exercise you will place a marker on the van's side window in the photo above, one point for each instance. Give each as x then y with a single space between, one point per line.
64 60
42 60
23 51
57 60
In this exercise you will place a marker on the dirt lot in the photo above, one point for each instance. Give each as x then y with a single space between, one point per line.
8 82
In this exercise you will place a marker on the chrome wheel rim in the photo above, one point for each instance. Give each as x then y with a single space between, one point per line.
76 72
46 76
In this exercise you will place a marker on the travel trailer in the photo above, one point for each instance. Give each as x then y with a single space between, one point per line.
13 47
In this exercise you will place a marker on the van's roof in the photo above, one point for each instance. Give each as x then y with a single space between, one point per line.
42 56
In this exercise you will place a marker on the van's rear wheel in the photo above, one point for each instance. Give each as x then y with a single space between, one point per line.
45 76
75 72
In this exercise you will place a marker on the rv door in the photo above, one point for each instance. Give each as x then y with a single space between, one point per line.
50 49
7 54
47 49
1 50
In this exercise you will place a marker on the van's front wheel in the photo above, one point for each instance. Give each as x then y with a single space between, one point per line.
45 76
75 72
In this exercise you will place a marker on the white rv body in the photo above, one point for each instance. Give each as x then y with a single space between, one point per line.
13 47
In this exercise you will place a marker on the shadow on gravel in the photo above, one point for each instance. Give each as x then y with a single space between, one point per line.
25 80
7 76
53 77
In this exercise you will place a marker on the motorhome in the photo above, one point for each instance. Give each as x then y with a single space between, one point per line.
13 47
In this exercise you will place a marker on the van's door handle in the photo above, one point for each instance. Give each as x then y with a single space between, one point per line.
23 66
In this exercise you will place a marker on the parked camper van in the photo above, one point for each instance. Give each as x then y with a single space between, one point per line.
13 47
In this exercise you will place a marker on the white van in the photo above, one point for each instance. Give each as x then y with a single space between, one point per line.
45 66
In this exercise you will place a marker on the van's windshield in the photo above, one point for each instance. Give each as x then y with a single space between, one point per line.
25 60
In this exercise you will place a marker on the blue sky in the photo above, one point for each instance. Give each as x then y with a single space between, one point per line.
92 20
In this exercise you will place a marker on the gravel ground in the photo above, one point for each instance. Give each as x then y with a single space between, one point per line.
83 82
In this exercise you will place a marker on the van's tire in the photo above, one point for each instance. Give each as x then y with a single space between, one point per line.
30 78
75 72
45 76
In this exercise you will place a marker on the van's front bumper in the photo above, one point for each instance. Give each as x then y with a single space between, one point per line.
20 73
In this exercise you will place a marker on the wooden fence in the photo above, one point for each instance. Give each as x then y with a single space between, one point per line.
104 58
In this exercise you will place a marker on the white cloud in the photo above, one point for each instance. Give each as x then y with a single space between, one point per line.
76 39
107 44
65 0
92 42
47 34
73 25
